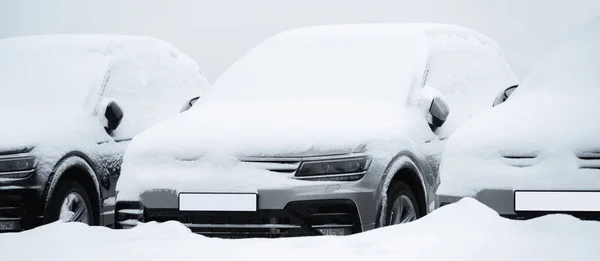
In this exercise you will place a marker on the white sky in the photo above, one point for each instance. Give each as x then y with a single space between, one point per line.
215 33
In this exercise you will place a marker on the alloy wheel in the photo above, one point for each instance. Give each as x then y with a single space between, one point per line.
403 211
74 209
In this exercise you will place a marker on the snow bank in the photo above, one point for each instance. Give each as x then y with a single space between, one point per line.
466 231
550 117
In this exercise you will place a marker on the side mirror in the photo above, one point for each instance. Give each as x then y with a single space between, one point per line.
189 104
438 113
113 115
503 96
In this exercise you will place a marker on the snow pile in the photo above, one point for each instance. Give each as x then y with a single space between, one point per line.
466 231
51 84
550 117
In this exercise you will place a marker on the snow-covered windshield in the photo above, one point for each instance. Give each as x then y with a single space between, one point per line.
570 69
327 65
49 82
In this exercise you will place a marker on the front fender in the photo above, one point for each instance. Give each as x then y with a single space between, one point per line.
73 159
402 160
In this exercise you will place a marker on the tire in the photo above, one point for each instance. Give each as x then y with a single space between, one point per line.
399 192
75 193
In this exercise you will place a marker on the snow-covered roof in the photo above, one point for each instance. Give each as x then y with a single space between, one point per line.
44 78
105 44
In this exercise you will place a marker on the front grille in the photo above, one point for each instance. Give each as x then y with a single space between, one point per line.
305 218
520 161
589 160
283 165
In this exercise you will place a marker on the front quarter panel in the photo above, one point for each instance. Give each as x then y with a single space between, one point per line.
417 163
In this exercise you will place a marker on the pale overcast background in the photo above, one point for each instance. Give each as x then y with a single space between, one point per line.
215 33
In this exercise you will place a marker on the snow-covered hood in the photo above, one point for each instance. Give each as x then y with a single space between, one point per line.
42 127
549 123
205 148
532 141
269 129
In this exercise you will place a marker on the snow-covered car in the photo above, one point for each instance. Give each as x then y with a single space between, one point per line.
69 104
538 152
322 130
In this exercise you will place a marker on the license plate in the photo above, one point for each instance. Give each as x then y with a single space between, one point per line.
557 201
218 201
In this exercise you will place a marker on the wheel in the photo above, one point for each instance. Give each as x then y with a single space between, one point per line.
401 206
70 203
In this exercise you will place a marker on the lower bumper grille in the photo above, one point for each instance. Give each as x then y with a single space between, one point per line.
11 214
304 218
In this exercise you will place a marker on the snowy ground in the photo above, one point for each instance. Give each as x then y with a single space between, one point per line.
465 231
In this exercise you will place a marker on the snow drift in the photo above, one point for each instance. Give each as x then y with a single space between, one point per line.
465 231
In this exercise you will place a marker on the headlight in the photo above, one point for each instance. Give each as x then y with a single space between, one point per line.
348 169
16 167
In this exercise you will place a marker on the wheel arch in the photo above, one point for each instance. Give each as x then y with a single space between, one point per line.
75 166
404 167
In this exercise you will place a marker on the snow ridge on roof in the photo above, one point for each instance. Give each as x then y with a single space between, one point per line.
110 45
428 30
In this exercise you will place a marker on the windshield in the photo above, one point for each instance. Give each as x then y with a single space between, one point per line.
50 82
296 67
570 69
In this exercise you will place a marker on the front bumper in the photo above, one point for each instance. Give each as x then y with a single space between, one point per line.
503 202
302 211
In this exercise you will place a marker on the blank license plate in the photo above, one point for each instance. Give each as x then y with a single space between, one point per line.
557 201
218 201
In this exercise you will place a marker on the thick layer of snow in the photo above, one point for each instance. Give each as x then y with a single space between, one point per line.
328 87
466 231
50 82
552 116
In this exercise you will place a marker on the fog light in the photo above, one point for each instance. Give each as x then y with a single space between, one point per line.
10 225
336 231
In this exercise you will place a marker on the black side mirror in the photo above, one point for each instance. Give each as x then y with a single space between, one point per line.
114 115
193 100
189 104
438 113
503 96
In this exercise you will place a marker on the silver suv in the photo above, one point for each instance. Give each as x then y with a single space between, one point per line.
322 130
